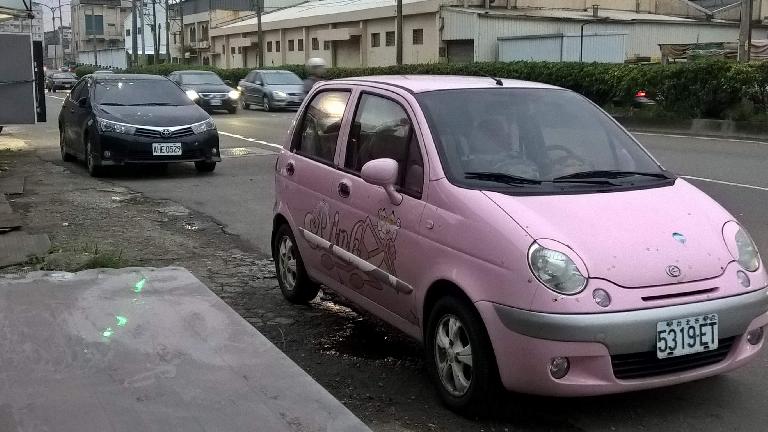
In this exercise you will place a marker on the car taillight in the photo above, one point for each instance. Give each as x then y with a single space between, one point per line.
640 93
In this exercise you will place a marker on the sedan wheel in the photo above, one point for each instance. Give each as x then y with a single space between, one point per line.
90 162
292 277
453 354
244 105
65 156
267 105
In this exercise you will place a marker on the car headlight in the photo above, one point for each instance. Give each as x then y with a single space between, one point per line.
110 126
555 270
203 126
233 94
278 94
192 95
748 256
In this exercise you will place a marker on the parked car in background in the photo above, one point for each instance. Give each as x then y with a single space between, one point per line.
517 230
60 81
271 90
105 71
207 89
116 119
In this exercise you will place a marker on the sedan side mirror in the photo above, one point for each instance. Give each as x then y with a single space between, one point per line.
228 82
258 83
82 102
383 172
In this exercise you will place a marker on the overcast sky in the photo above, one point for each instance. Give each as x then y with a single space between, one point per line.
65 13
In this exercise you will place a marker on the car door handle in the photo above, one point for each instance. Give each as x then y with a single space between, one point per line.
344 189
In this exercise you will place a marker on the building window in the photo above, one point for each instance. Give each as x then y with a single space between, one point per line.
389 38
204 32
327 45
232 50
94 24
418 36
239 50
290 44
192 35
269 46
315 44
277 46
300 45
174 39
128 32
375 40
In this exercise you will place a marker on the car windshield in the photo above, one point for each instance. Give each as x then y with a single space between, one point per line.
201 78
530 138
281 78
64 76
138 92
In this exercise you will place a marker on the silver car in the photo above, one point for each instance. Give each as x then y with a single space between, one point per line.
271 89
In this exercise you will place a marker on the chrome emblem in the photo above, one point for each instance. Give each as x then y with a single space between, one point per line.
165 132
673 271
679 237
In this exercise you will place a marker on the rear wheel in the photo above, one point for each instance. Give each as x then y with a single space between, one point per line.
460 357
65 156
292 277
205 166
90 161
232 110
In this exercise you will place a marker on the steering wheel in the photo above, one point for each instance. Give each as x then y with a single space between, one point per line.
569 156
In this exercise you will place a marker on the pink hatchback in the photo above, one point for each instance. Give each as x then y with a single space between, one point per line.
519 232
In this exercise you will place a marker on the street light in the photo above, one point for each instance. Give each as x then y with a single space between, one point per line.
61 30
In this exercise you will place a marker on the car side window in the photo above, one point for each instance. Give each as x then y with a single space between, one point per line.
319 130
382 129
249 78
257 79
80 90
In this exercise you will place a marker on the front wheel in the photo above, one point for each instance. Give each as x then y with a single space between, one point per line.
292 277
267 105
460 357
90 161
232 110
244 105
65 156
205 166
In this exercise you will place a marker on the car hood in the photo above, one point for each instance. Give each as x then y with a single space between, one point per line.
158 116
287 88
208 88
627 237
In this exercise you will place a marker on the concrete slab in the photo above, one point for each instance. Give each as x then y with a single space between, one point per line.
12 185
17 247
144 349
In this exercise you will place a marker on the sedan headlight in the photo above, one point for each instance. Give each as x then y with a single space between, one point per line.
233 94
748 257
555 270
278 94
203 126
110 126
193 95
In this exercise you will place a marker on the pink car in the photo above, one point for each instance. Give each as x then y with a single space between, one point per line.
516 230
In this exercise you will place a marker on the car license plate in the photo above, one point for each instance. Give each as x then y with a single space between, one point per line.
215 102
683 336
166 149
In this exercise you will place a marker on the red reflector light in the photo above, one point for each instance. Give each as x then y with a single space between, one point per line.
640 93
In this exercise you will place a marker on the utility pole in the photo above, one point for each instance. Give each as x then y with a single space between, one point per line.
745 31
55 48
399 33
61 36
143 41
259 11
93 37
181 34
134 36
167 33
155 34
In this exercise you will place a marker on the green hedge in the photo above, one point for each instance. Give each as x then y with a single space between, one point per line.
715 89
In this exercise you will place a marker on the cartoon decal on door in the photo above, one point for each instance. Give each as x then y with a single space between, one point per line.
364 256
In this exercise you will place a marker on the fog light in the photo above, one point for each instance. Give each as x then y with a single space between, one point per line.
755 336
602 298
743 278
215 151
107 154
559 367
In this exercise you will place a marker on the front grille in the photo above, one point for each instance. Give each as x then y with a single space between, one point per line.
646 364
295 94
152 133
213 95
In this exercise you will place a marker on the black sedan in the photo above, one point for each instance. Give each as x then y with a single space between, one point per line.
207 90
60 81
120 119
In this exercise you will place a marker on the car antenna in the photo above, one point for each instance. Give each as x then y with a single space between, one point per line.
499 82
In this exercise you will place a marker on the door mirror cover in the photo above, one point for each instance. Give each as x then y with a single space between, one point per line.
82 102
383 172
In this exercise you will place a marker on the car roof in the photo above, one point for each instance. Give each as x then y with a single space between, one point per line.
425 83
134 77
192 71
273 70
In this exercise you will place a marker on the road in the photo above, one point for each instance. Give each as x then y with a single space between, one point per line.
240 196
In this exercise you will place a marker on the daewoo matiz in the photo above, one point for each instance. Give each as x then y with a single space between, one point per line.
519 232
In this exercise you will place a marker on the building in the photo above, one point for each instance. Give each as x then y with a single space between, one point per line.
55 56
26 25
97 31
356 33
146 38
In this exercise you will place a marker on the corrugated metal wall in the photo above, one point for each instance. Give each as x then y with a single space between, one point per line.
601 47
545 48
642 38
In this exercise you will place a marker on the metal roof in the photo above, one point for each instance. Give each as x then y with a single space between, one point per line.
425 83
577 15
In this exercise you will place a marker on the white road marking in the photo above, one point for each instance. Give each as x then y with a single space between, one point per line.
253 140
699 137
726 183
56 97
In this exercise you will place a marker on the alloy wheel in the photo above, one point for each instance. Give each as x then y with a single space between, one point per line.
453 355
287 263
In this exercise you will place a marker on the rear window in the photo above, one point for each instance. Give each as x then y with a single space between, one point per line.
139 92
281 78
64 76
200 78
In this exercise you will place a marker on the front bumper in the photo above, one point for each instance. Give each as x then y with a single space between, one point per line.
289 102
221 103
134 149
525 342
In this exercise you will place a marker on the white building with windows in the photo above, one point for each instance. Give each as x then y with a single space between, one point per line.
148 35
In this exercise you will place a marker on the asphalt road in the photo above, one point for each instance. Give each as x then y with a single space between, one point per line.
240 196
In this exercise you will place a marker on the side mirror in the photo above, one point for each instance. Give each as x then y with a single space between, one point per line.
229 83
258 83
82 102
383 172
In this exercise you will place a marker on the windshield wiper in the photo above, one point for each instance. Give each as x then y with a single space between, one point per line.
112 104
598 175
498 177
154 104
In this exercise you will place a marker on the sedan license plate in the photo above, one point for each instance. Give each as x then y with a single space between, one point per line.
684 336
215 102
166 149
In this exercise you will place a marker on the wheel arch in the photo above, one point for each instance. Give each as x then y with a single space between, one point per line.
437 290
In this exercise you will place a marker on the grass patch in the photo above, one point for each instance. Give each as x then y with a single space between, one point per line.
105 260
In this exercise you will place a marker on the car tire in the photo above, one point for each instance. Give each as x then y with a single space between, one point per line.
232 110
53 89
292 276
245 105
467 383
205 166
65 155
93 169
267 105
